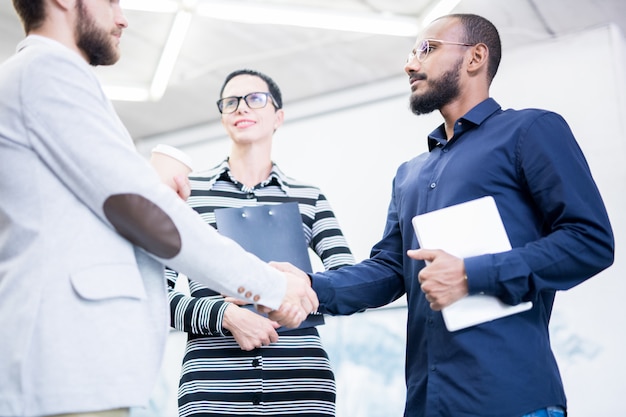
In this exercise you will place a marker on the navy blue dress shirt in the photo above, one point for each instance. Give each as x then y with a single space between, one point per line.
530 162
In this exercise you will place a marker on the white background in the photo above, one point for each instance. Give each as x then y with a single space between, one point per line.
350 144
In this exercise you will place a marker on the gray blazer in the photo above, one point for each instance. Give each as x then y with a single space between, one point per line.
85 229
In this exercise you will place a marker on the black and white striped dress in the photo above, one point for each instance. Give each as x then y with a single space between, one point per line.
292 377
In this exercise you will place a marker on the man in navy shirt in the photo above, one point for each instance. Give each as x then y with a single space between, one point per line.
529 161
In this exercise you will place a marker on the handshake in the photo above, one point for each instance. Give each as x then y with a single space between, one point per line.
173 167
300 300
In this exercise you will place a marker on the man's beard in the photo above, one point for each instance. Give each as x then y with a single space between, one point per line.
93 41
442 91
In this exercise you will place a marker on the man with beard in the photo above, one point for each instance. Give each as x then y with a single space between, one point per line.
86 227
530 163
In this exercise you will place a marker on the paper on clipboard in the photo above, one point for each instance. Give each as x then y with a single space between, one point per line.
468 229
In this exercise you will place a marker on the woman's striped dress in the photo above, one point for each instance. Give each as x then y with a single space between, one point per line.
292 377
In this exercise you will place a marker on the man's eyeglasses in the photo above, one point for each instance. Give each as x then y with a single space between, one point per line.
257 100
425 48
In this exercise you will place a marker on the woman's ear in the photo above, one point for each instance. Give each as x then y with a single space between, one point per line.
279 118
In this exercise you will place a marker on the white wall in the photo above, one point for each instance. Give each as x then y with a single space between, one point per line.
352 154
588 326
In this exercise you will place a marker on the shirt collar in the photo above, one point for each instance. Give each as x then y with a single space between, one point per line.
222 172
475 117
37 40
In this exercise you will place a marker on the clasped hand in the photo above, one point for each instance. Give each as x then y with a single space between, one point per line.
300 299
253 331
442 280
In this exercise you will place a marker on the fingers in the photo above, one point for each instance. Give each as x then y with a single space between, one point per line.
249 329
236 301
183 186
427 255
250 343
264 339
435 305
262 309
289 268
300 299
289 315
442 280
273 336
309 302
312 302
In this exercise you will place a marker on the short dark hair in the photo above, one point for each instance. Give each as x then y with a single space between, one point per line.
480 30
271 84
32 13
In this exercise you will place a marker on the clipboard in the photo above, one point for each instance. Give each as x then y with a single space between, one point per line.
468 229
272 233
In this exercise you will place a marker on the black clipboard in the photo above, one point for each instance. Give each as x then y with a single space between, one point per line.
273 233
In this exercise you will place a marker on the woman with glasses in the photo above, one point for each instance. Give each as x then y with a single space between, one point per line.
236 361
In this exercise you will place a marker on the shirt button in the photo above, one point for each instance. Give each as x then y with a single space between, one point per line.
433 367
255 362
256 400
250 196
433 184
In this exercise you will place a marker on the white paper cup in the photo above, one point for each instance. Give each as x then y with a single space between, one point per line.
170 162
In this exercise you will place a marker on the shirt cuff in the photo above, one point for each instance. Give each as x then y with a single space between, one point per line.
480 275
210 316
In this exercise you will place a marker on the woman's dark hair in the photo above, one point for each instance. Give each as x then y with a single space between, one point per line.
271 84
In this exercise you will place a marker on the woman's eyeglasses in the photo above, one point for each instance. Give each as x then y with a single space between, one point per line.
256 100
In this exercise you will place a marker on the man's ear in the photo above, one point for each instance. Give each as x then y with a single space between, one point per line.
480 58
63 4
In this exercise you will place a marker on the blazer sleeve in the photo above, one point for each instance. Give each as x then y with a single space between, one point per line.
74 130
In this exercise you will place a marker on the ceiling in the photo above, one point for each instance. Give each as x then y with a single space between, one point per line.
305 62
